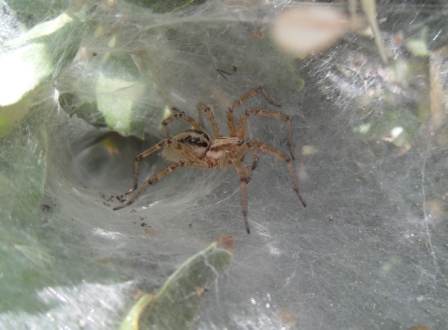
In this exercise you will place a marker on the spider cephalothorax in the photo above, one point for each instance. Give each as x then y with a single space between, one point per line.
194 148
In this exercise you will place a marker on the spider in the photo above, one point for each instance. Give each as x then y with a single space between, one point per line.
195 148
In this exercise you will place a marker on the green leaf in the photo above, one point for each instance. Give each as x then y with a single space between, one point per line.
23 165
124 97
165 6
177 303
38 56
33 12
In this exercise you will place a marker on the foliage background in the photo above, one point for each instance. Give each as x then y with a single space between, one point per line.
83 83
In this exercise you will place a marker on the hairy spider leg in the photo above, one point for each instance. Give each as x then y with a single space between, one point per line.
208 109
248 171
244 98
150 182
191 161
265 148
236 156
239 155
182 115
143 155
255 158
201 117
244 180
190 158
241 133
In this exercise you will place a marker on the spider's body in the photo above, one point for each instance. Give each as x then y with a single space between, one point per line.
195 148
194 142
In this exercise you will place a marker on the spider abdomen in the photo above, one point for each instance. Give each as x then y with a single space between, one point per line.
191 141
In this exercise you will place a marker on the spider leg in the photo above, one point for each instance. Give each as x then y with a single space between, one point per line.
194 161
231 122
248 171
265 148
244 98
201 118
208 109
255 158
150 182
143 155
239 155
182 115
266 113
243 179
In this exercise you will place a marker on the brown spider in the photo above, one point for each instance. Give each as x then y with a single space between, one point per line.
194 147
